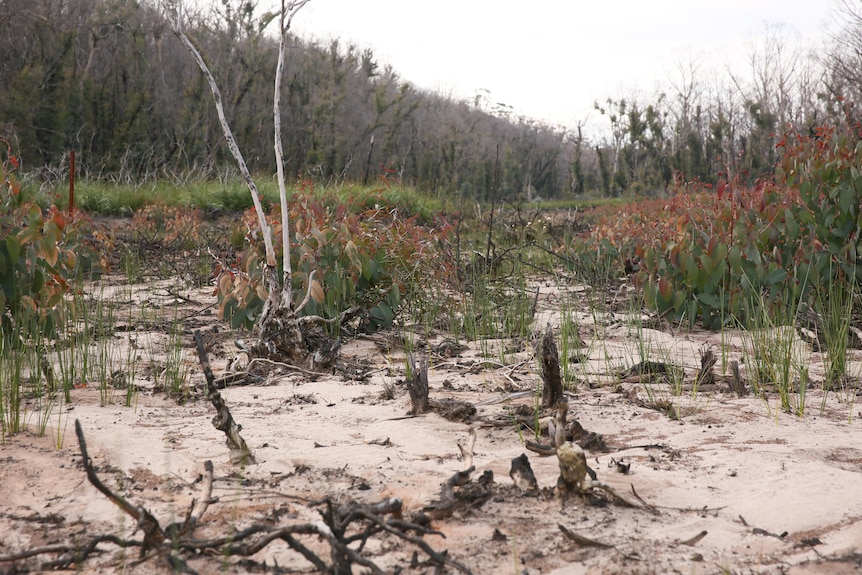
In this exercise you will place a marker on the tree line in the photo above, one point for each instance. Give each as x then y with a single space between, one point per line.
109 79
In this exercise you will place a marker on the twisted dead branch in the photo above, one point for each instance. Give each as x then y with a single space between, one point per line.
223 420
347 528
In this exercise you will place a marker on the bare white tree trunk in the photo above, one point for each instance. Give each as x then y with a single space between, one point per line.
278 328
287 13
265 230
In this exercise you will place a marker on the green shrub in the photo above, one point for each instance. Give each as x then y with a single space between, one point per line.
41 252
360 257
705 253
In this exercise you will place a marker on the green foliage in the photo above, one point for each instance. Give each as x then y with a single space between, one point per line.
369 258
704 253
827 170
40 253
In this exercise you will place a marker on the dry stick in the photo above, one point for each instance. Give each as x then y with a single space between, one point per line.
540 448
587 542
154 537
286 366
438 558
692 541
467 452
75 553
206 497
223 420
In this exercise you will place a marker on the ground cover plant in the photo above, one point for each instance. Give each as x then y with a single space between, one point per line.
696 253
347 254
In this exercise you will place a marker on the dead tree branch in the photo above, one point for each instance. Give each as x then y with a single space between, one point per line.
342 526
223 420
153 534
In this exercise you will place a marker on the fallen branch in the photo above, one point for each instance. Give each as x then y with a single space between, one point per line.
587 542
223 420
153 534
692 541
341 526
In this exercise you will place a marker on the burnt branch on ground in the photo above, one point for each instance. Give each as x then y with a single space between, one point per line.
223 420
346 527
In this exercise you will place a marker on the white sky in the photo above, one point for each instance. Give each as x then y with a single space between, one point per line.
551 59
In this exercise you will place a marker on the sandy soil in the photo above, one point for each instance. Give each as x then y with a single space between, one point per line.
774 492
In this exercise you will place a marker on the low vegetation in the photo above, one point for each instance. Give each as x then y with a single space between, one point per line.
783 252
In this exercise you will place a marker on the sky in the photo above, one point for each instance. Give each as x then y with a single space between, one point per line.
551 59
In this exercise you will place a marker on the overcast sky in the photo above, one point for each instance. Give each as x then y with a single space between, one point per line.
550 59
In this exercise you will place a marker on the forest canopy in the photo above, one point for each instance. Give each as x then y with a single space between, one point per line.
110 80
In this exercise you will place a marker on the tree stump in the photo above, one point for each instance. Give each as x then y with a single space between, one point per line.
417 386
552 389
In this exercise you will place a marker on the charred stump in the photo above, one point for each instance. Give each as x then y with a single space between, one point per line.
706 375
522 474
552 388
417 386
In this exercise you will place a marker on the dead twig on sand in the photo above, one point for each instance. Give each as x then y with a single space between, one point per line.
587 542
346 528
153 534
223 420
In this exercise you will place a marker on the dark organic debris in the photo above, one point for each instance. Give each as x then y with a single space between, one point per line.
420 403
620 465
470 494
522 474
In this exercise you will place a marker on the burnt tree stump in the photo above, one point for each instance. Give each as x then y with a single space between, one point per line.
417 385
552 388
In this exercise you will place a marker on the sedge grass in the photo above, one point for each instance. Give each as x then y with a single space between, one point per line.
773 351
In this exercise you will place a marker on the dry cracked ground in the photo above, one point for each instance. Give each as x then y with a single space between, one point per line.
732 484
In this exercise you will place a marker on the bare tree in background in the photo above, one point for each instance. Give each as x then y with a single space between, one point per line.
844 58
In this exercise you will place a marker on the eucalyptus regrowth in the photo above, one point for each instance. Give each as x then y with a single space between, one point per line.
279 329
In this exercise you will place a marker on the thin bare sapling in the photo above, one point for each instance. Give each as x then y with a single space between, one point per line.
281 333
